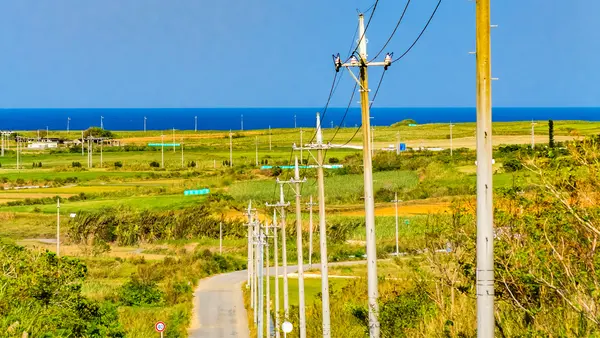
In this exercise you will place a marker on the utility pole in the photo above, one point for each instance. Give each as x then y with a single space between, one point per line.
101 145
256 152
102 122
295 121
301 301
268 282
301 146
250 255
68 122
182 165
362 63
398 143
221 239
242 122
533 134
17 140
195 123
145 124
173 139
82 143
396 200
270 148
485 207
162 151
310 230
261 242
276 257
58 227
319 147
282 205
230 149
451 146
47 133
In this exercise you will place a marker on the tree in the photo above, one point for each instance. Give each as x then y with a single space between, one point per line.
551 133
98 132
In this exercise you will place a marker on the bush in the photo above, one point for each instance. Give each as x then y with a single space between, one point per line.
334 160
76 165
404 122
140 292
118 164
154 164
512 165
191 164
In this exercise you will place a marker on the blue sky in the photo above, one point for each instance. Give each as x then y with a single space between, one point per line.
277 53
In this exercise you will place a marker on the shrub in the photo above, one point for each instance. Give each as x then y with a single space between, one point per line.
191 164
512 165
140 292
333 160
76 165
154 164
118 164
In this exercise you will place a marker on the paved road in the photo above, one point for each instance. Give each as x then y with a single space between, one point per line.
219 304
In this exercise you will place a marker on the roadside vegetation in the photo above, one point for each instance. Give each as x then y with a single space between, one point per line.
133 246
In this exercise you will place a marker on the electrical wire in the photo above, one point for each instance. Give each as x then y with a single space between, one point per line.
374 6
393 32
371 105
421 34
345 113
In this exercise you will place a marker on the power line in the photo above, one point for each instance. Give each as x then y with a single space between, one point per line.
371 105
345 113
421 34
393 32
374 6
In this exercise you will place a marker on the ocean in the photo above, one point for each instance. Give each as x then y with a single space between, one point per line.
261 118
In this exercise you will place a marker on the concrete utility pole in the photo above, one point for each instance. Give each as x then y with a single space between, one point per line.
82 143
242 122
260 243
47 132
295 121
195 123
17 140
68 122
250 255
363 82
230 149
145 124
162 151
310 230
398 143
301 301
58 227
268 281
533 134
182 165
270 148
319 147
221 238
485 207
102 122
396 200
256 152
101 145
173 139
276 257
301 146
282 205
451 146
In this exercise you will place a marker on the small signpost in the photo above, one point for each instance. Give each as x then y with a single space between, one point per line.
160 327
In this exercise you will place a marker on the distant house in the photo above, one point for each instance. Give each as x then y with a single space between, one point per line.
42 145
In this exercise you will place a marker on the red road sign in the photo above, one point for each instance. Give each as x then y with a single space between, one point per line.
160 326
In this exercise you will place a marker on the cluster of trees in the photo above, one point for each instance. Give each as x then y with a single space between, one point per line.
40 296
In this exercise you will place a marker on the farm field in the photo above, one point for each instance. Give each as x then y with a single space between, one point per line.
132 215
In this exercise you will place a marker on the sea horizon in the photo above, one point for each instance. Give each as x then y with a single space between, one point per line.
250 118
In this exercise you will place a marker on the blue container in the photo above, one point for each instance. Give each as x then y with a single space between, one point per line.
402 146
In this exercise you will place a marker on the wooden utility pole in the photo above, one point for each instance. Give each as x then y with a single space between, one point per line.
485 216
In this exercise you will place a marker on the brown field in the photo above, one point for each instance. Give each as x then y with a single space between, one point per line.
469 142
421 208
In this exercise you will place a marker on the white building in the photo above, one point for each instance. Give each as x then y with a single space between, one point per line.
42 145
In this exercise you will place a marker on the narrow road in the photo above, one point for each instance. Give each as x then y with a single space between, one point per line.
219 304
